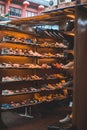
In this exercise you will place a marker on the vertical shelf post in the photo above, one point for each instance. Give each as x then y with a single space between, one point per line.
80 74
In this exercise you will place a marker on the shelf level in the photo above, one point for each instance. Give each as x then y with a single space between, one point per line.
20 43
31 44
30 56
40 102
31 92
70 33
21 81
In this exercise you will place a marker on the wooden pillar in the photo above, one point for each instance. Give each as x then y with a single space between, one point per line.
80 74
24 12
25 5
7 6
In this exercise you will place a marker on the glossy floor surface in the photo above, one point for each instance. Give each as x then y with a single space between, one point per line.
41 120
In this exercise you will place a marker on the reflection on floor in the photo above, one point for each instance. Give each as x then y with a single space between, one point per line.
40 121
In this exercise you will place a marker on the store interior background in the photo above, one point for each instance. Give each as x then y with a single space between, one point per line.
49 23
